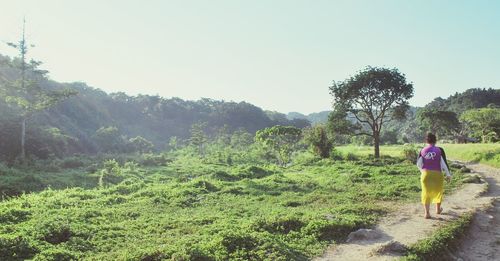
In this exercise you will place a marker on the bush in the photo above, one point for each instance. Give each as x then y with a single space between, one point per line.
14 215
15 247
254 172
154 160
55 254
280 225
111 173
410 153
72 163
306 158
351 156
55 231
336 154
329 229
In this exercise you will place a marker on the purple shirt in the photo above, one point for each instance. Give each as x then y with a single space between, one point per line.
431 156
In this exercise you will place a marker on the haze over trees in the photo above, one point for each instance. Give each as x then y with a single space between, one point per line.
24 92
73 124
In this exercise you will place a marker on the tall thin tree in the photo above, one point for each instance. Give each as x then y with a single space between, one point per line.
25 92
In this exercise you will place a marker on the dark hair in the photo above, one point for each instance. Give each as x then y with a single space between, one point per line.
430 138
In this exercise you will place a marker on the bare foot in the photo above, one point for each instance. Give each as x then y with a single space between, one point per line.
427 216
440 210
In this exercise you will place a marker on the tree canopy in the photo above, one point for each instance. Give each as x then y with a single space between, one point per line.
372 97
281 140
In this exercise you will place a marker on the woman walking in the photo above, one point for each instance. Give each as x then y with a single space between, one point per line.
432 163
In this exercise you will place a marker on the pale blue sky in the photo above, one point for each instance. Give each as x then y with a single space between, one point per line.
279 55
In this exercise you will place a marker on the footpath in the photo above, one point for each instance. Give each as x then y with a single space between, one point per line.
406 226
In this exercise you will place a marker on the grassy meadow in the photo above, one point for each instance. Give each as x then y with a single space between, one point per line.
187 209
485 153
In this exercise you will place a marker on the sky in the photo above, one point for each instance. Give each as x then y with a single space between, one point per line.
280 55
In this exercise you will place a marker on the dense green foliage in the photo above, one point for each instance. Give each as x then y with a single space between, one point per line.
317 138
281 140
187 208
436 121
459 117
484 123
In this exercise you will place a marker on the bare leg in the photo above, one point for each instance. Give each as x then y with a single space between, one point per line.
438 208
426 209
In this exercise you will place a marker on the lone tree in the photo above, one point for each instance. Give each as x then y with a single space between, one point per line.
198 138
372 97
25 93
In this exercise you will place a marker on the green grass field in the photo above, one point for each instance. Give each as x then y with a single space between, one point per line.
488 154
192 210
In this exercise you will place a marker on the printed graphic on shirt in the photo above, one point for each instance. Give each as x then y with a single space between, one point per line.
430 155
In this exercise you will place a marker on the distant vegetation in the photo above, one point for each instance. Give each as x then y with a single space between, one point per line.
479 153
118 177
73 125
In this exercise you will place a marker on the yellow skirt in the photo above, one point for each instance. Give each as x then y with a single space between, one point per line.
432 186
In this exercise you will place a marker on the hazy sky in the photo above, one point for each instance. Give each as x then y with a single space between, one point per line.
279 55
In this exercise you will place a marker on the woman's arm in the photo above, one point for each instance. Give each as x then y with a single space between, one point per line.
420 161
443 156
444 163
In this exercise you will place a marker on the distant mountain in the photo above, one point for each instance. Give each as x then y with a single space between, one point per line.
314 118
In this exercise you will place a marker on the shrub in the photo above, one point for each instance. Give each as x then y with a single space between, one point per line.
351 156
55 231
111 173
281 225
55 254
410 153
14 215
15 247
306 158
336 154
72 163
254 172
224 176
329 229
154 160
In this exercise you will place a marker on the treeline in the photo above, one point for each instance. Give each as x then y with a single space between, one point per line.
94 121
470 116
89 121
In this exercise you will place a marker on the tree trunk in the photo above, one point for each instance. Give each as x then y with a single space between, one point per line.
23 139
376 144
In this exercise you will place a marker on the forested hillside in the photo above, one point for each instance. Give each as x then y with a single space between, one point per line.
94 121
469 99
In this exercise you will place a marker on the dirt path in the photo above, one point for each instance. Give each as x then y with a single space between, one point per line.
406 226
482 239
